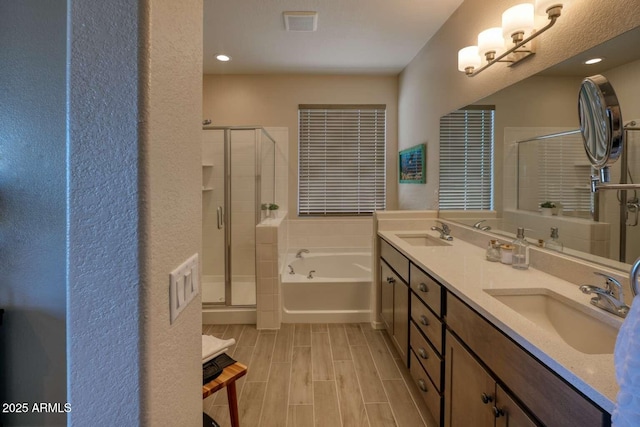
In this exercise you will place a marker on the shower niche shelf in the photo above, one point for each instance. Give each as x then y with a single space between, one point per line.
207 177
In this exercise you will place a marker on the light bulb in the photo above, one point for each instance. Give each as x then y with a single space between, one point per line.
468 59
518 21
490 40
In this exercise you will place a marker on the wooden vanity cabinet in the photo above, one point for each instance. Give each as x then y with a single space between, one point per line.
473 397
550 400
426 339
394 297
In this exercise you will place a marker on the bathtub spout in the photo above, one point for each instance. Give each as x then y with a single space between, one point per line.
310 276
291 269
300 252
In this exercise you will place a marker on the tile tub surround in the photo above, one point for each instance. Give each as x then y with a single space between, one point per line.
462 268
270 247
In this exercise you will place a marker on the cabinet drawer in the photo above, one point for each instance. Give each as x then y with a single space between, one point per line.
427 390
427 289
428 322
427 356
395 259
551 399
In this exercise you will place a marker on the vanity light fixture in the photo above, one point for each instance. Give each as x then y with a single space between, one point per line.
517 25
223 58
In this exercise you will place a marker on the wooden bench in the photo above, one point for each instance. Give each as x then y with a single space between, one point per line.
227 379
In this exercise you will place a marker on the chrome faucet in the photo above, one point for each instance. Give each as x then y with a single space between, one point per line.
310 276
485 228
444 231
291 269
604 297
300 252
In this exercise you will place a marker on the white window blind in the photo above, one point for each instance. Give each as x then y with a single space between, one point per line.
341 159
562 179
466 159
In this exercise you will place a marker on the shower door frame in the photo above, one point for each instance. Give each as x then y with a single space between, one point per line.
227 217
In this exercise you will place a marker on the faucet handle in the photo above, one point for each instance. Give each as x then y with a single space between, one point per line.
611 281
445 227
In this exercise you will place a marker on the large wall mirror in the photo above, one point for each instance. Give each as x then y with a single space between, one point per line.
539 157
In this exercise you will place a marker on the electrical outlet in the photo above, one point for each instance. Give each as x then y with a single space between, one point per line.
184 285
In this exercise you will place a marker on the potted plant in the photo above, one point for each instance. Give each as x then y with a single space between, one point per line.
269 209
547 208
272 208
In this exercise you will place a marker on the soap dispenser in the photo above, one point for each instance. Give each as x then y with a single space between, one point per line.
554 244
520 259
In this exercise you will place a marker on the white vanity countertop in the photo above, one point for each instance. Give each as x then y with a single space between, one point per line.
463 269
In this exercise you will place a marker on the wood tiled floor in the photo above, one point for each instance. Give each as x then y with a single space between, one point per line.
308 375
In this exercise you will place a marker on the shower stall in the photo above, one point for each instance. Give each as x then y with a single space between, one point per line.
238 176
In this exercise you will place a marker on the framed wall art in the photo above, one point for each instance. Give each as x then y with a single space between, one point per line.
412 165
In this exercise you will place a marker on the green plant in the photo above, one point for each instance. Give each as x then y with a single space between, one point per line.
548 205
273 207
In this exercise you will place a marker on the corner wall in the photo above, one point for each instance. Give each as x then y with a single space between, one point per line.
272 101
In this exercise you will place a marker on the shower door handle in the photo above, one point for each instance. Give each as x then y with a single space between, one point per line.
220 217
633 211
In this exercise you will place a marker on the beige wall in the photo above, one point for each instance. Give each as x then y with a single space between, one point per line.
431 86
272 100
172 211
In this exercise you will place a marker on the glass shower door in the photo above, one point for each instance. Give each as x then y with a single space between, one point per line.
213 207
242 179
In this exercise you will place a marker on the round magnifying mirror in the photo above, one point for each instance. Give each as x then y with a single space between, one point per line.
600 121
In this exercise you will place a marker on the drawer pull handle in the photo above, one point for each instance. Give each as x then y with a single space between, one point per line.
423 353
391 280
423 287
424 320
423 385
497 412
486 398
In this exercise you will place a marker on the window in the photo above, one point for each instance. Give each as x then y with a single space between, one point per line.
466 159
561 179
341 159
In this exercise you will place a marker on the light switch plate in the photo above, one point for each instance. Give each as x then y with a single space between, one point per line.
184 285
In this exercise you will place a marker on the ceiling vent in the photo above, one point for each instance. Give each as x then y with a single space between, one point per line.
300 21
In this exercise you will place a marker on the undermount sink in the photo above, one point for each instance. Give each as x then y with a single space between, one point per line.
423 240
582 327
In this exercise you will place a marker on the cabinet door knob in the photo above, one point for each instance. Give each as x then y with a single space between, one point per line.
423 385
497 412
423 287
424 320
423 353
486 398
390 279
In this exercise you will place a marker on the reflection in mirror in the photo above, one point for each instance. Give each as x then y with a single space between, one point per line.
600 123
590 227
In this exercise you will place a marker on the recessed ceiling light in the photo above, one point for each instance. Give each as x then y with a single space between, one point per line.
223 58
592 61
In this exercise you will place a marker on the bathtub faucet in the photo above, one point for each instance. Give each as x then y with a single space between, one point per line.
291 269
310 276
300 252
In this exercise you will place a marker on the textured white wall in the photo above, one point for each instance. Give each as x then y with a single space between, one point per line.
431 86
172 210
134 210
104 292
32 207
